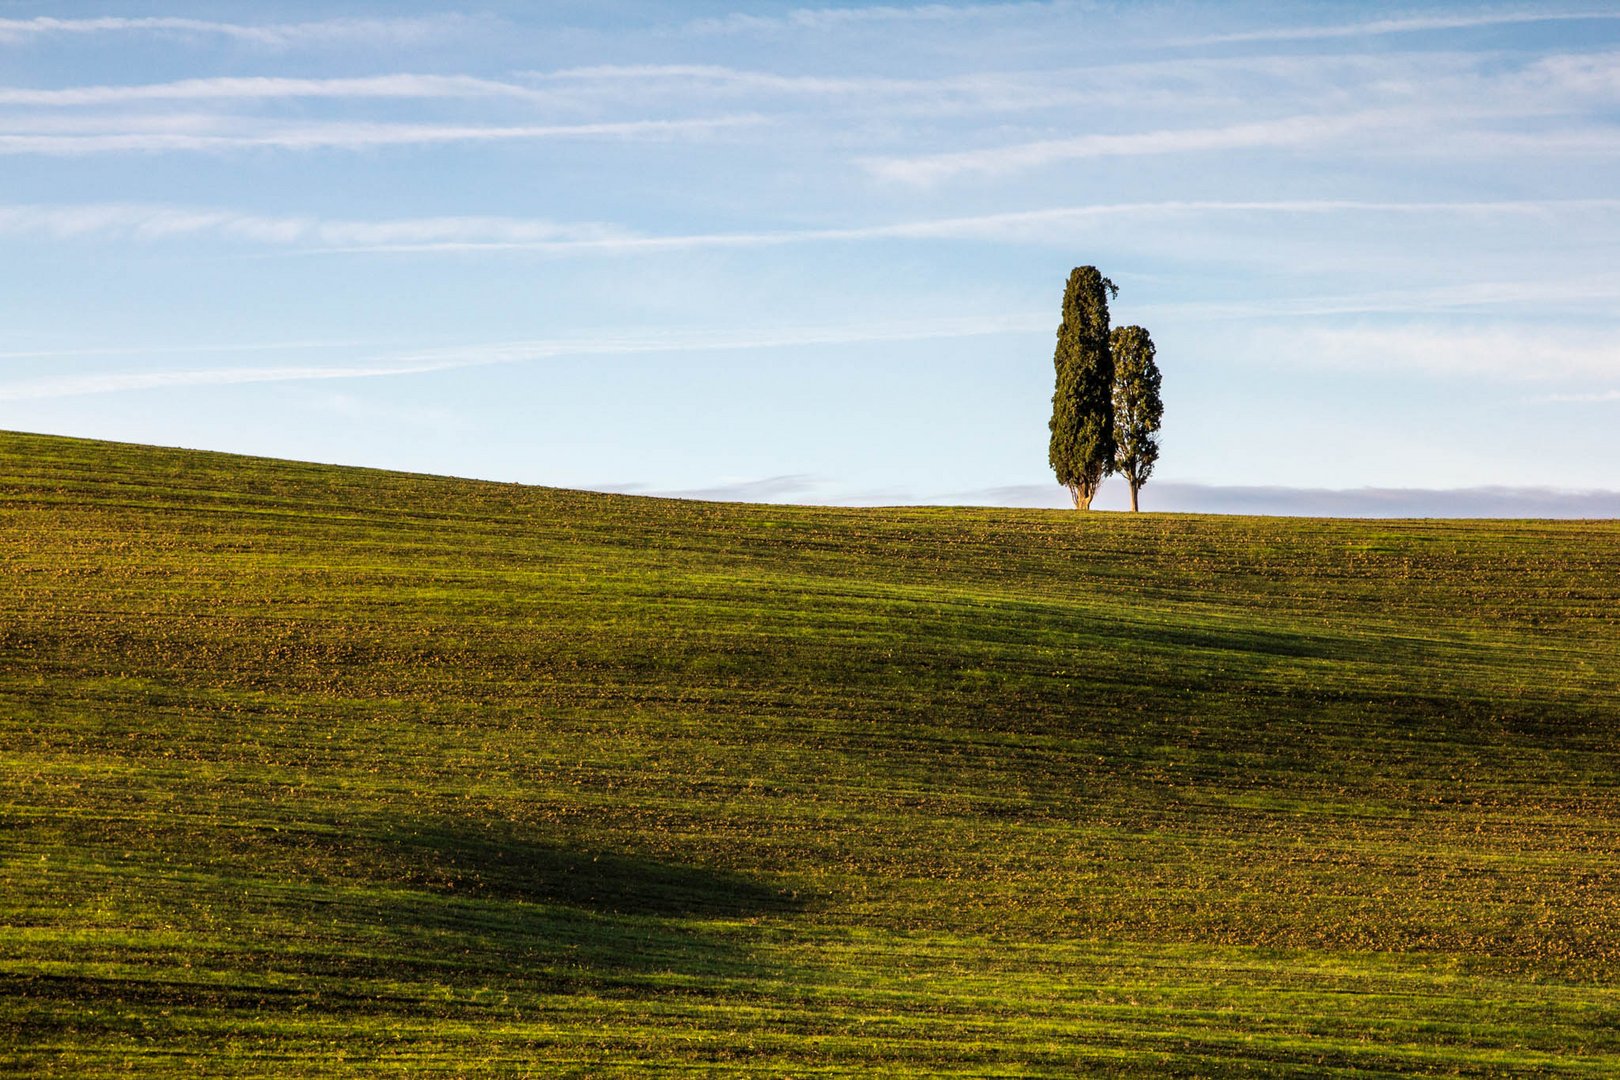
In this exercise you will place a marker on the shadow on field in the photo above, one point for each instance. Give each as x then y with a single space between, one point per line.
515 905
1246 640
508 866
417 902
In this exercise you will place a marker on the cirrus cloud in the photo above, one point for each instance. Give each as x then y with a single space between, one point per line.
376 31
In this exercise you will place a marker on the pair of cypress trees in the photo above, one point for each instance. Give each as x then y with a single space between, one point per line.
1106 409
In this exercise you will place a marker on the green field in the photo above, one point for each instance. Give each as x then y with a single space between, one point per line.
310 769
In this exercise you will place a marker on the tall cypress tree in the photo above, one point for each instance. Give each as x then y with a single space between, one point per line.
1082 449
1138 411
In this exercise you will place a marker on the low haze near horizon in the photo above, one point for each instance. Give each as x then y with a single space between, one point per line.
816 254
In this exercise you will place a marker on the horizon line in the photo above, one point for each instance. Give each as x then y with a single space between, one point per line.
1255 500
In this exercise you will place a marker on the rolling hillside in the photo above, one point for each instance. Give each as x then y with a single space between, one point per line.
311 769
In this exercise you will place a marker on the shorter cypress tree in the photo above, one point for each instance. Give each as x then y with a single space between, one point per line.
1137 408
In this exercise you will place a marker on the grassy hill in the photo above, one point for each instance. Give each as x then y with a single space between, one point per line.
306 769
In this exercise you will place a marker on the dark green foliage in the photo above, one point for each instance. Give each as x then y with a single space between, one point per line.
1082 424
315 771
1137 408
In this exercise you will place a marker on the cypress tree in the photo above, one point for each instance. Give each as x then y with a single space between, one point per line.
1082 449
1137 408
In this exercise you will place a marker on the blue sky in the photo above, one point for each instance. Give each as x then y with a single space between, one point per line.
816 254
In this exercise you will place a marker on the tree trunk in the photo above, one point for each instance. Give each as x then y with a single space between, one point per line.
1134 507
1082 495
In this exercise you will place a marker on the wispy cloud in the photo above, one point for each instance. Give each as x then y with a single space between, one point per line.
1054 226
987 91
1506 352
140 222
1568 142
1137 84
1180 87
1542 294
1287 131
349 135
832 17
1405 25
514 352
1450 88
664 85
1597 397
1169 84
1452 130
593 90
60 386
579 85
127 351
390 31
452 233
262 88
